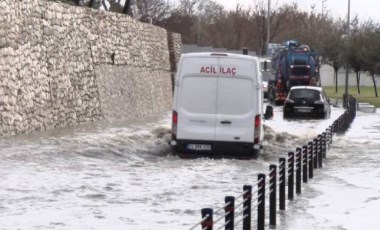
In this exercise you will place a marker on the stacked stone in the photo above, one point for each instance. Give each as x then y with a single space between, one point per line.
63 65
174 45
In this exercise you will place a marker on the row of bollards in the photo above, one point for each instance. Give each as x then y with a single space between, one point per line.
291 172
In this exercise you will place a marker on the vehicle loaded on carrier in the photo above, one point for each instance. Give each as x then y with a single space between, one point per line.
218 106
293 64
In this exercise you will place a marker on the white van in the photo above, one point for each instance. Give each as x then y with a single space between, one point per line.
218 106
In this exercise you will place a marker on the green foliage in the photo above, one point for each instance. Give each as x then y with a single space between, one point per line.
367 94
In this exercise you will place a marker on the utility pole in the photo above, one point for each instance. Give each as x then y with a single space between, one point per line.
268 29
323 7
347 66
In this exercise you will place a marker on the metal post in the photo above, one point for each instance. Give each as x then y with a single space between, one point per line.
298 170
324 144
315 154
304 163
291 175
261 202
282 181
247 207
320 152
347 66
208 222
311 159
272 194
245 51
268 30
230 212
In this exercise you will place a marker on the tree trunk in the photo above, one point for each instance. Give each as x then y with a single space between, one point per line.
336 80
104 5
91 3
374 84
358 80
127 8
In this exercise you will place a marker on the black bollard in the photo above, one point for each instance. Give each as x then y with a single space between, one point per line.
247 212
208 223
272 194
282 182
320 152
261 203
315 154
324 144
298 170
230 212
291 175
245 51
304 163
311 159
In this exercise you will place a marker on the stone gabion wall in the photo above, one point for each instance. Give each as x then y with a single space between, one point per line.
175 44
60 65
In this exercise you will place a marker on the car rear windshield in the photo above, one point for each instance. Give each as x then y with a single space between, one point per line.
304 94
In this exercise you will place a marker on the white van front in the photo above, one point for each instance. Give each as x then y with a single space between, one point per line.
218 104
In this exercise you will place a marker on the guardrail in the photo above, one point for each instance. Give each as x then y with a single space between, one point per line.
297 168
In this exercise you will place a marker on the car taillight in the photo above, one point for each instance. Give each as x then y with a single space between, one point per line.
257 129
174 125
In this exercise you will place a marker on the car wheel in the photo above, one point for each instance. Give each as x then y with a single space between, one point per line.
286 115
173 151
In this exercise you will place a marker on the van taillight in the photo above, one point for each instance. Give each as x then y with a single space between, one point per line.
174 125
257 129
175 117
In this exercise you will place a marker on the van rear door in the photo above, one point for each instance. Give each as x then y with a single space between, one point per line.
196 105
235 101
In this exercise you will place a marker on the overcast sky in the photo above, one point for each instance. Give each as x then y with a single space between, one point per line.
365 9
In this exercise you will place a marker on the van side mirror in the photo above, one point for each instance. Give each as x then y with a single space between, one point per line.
268 112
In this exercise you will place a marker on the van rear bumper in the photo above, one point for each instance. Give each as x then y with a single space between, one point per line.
215 149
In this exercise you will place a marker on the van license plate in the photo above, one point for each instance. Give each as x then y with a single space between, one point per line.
304 110
199 147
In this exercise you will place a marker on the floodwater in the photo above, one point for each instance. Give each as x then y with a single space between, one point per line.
122 176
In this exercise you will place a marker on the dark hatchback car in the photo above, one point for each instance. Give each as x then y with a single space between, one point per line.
307 102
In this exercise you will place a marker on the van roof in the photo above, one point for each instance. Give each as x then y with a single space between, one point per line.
219 54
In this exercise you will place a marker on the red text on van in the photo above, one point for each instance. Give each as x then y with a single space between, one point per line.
222 70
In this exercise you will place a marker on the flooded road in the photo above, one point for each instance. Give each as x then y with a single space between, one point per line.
122 176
